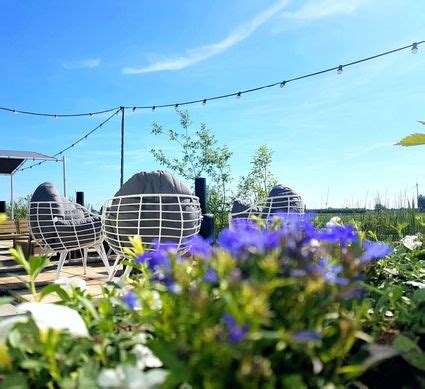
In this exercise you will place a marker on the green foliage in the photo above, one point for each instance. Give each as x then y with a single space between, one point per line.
397 311
32 356
257 184
184 326
21 207
200 156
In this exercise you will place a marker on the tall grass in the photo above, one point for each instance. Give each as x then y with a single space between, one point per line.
386 225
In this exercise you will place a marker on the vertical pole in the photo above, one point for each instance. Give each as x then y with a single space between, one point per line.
12 200
417 194
122 146
64 176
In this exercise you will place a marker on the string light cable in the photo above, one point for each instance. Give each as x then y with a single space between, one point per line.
85 136
339 69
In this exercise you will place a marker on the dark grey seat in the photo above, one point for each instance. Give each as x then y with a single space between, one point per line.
155 206
60 226
281 199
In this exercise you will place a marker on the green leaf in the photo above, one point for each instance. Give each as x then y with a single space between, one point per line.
14 381
89 306
293 381
419 296
410 351
54 288
19 257
5 300
36 265
412 140
87 376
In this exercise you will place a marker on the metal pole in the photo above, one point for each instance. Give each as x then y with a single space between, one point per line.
122 145
12 200
64 176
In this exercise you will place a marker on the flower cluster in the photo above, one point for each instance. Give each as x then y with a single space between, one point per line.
271 296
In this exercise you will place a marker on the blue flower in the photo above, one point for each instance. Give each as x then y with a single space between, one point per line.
210 275
243 239
154 259
199 247
330 272
338 234
164 246
374 251
130 299
236 333
306 336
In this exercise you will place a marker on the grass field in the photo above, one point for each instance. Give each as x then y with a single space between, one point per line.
386 225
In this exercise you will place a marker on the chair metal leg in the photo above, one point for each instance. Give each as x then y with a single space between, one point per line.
62 258
85 254
125 274
114 268
102 254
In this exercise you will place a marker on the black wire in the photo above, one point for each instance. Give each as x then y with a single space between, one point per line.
76 142
239 93
279 82
60 115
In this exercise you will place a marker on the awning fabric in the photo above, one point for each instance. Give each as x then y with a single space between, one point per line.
11 160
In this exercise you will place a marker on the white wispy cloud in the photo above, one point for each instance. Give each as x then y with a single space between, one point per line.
318 9
193 56
88 63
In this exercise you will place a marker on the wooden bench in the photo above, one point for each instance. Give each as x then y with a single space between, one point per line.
9 231
29 246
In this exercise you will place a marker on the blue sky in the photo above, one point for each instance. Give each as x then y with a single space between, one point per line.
332 135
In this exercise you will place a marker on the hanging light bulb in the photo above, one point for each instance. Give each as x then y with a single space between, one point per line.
90 114
204 102
339 71
134 108
56 116
414 48
153 108
238 96
14 111
176 106
282 84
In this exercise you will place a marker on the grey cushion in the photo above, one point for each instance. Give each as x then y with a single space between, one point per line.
47 192
87 229
292 204
241 206
60 221
156 182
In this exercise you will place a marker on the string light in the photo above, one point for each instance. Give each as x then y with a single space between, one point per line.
414 48
204 102
134 108
85 136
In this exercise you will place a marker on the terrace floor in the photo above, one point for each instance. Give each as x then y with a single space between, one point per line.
12 277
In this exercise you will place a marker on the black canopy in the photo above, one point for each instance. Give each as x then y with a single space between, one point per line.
11 160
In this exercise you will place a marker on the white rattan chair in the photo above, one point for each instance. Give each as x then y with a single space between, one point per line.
290 204
62 227
157 218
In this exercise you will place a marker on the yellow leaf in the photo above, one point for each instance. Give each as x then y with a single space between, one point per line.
413 140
